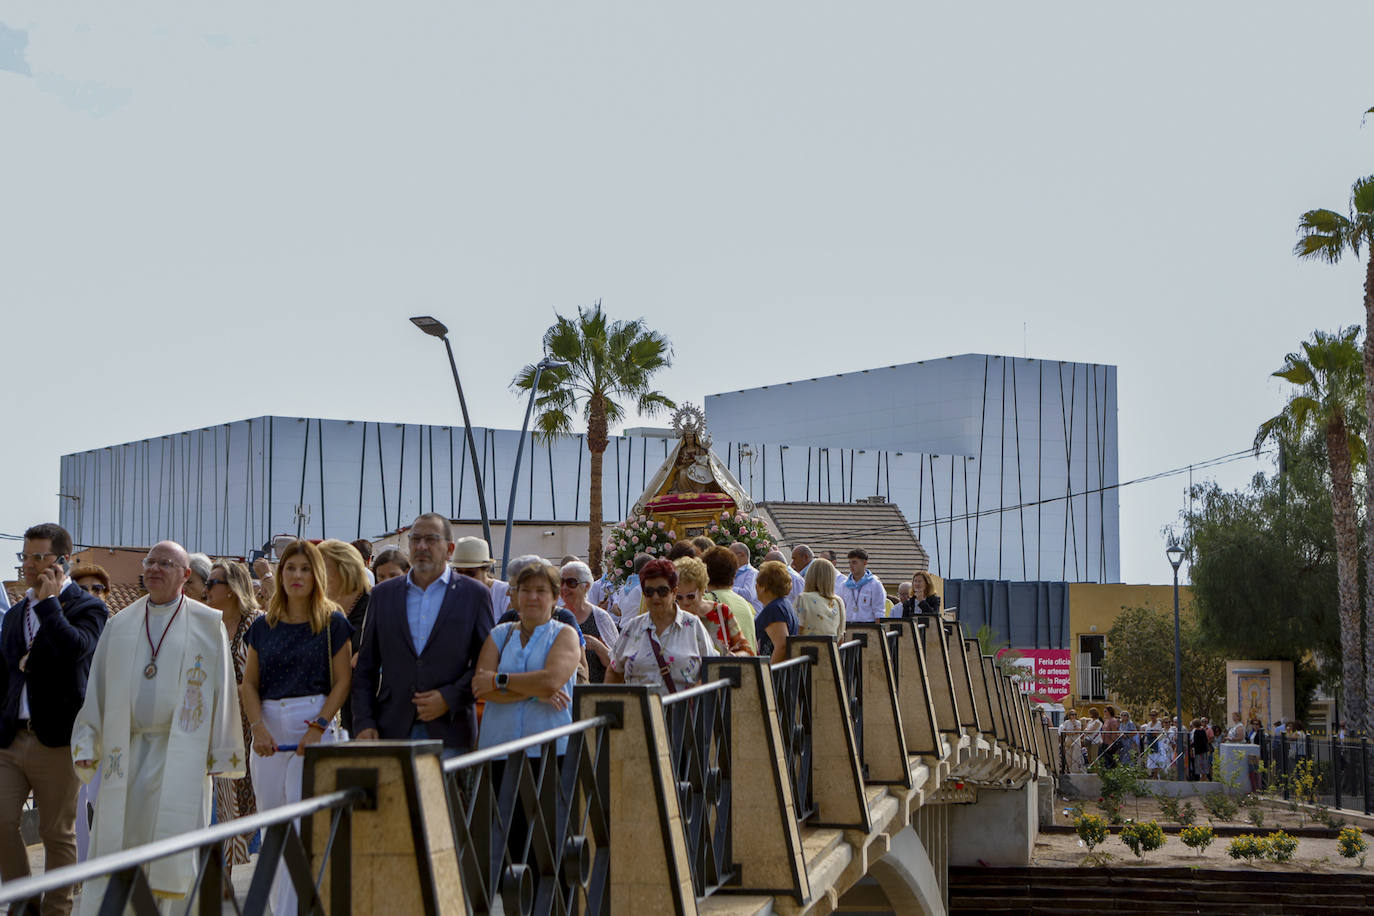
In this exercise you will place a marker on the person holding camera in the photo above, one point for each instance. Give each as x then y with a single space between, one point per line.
46 641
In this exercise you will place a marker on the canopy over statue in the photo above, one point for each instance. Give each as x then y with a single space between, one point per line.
692 486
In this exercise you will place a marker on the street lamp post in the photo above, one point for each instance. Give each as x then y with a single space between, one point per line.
547 362
1175 555
435 328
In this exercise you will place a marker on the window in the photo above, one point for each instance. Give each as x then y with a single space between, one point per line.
1091 650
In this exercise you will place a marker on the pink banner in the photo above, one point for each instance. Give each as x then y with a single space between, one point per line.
1045 673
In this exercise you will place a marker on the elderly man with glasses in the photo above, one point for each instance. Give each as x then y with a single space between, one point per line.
161 715
419 649
46 640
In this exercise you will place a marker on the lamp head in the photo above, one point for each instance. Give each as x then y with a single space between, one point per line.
1175 555
431 326
550 362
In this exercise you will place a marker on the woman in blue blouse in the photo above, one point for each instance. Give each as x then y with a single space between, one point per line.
777 621
527 669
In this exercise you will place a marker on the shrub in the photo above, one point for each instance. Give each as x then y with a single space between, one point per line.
1246 846
1198 837
1351 843
1256 816
1220 805
1187 814
1325 817
1091 829
1279 846
1142 838
1111 806
1169 807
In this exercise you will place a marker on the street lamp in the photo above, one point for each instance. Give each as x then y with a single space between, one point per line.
1175 555
547 362
435 328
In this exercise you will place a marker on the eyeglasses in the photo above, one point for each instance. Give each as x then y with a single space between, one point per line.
573 583
168 565
657 591
211 583
97 589
426 538
686 598
36 557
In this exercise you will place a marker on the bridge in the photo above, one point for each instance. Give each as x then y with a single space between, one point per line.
851 776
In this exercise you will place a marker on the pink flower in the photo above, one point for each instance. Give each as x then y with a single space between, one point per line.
629 564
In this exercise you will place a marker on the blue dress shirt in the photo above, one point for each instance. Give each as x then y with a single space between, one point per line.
422 607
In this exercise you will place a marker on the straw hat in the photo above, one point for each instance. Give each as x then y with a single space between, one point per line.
470 553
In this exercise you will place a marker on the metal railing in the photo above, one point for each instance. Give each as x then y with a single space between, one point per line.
128 889
792 693
534 831
699 725
1091 686
852 670
1342 770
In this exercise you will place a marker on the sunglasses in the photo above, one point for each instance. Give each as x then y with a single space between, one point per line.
658 591
211 583
686 598
97 589
573 583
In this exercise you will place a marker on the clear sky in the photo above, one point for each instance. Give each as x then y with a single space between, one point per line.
212 212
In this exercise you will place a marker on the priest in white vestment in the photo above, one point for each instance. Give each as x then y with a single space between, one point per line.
161 715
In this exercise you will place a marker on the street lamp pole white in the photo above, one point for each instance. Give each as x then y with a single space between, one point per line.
1175 555
547 362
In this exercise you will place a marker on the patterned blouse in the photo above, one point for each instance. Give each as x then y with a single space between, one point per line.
725 630
234 797
683 645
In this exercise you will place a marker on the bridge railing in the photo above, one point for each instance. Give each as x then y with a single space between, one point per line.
127 889
531 825
792 692
699 729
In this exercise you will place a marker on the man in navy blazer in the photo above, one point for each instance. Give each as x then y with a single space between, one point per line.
46 644
420 645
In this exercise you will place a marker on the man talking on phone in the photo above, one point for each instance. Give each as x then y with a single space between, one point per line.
46 644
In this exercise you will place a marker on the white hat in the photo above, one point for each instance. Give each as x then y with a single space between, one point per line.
470 553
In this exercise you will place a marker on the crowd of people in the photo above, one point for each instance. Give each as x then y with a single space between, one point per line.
195 703
1157 744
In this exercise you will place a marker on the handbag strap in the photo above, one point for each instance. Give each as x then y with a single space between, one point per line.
663 668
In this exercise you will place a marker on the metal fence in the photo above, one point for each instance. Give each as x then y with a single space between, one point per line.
852 670
532 826
128 889
792 693
698 722
1342 773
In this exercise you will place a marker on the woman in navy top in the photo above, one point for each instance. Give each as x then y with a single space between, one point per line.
777 620
297 675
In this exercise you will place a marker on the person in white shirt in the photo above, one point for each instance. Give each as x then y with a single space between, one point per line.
745 576
863 594
626 602
798 580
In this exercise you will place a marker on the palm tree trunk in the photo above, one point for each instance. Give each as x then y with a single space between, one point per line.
1366 723
597 440
1347 569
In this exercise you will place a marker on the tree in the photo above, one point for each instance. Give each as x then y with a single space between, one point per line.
1327 376
609 363
1325 235
1138 667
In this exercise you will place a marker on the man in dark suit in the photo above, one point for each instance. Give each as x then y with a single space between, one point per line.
420 645
46 644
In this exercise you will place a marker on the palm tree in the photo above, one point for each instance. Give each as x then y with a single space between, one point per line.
1327 373
1326 235
608 362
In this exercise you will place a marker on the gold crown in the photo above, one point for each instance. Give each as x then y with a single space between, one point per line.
197 675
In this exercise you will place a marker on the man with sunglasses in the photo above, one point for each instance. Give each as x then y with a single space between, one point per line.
46 642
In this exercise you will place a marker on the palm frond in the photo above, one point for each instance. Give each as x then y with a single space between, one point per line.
1323 235
1362 197
1297 371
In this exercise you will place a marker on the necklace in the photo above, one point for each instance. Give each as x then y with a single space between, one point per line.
150 671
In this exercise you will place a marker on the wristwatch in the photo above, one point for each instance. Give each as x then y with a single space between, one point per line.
502 679
322 723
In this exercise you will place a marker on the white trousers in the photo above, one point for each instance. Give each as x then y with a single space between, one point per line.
277 779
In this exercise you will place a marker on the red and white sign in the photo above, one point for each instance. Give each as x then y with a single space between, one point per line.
1046 673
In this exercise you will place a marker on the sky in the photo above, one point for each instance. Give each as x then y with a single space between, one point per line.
213 212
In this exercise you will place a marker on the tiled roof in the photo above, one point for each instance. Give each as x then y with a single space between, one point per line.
120 596
879 528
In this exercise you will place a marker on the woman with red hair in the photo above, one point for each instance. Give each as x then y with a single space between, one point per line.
663 647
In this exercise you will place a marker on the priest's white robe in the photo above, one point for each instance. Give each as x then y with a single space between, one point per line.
156 741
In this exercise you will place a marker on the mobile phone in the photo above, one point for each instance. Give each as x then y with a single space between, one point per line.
63 564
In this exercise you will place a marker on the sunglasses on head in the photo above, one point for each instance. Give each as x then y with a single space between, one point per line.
658 591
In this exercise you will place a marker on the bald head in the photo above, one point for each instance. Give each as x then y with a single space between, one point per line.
801 557
165 571
741 552
774 556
